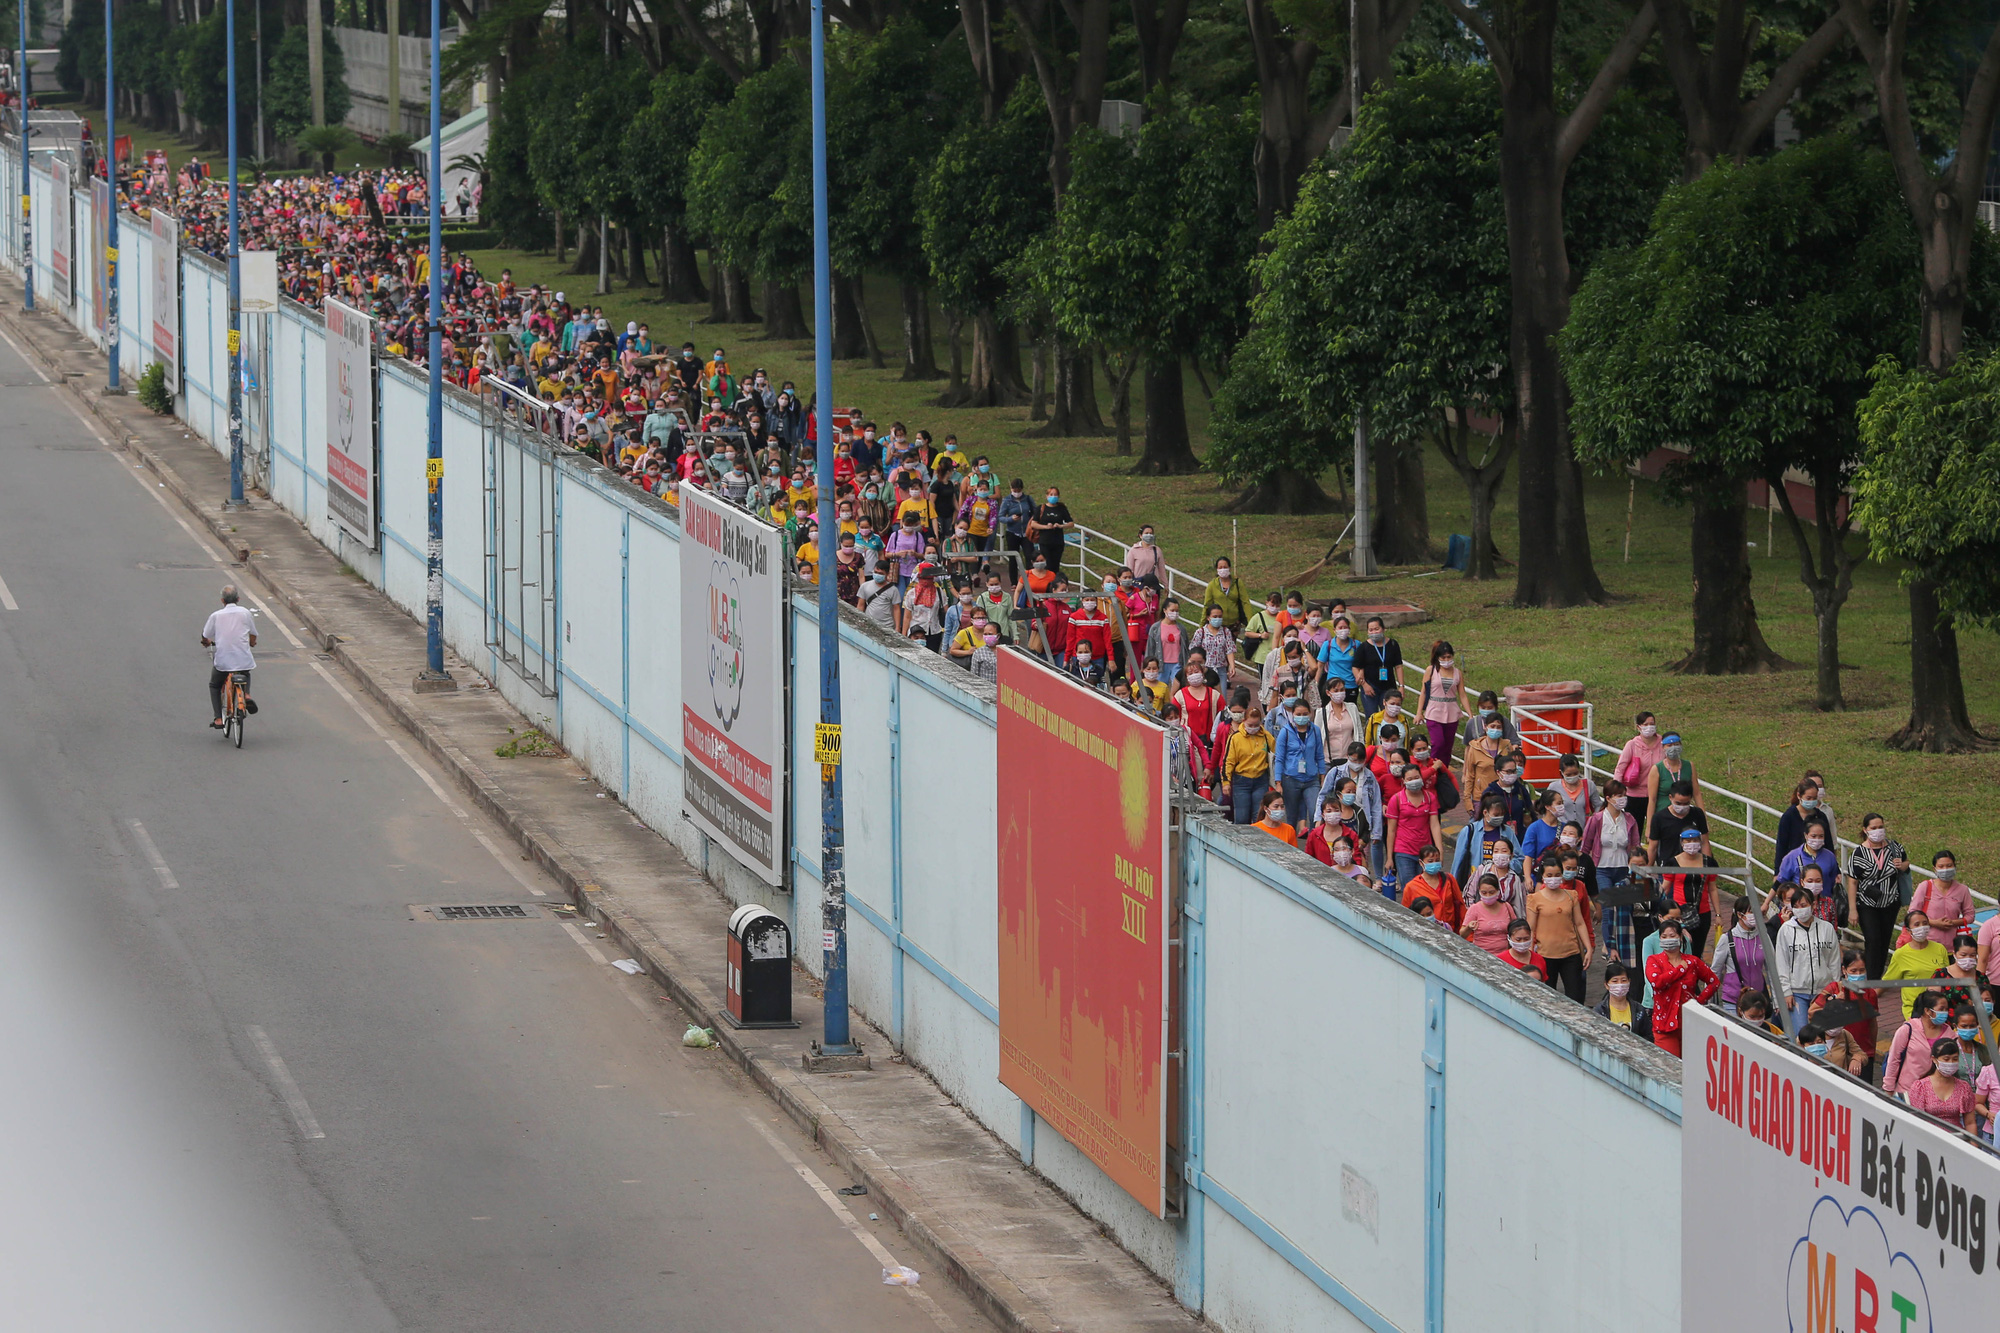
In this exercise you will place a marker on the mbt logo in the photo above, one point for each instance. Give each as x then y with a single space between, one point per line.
725 644
1844 1279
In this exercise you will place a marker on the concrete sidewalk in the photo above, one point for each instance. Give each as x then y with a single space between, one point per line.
968 1204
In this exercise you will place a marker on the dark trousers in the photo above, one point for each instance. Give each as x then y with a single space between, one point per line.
1246 797
216 677
1878 935
1566 974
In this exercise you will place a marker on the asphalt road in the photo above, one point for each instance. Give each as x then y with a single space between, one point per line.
243 1088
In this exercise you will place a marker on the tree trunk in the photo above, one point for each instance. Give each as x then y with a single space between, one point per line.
729 300
994 379
1400 536
1828 579
1727 640
635 269
1168 452
586 251
1038 381
1482 477
1482 492
954 391
1286 491
784 317
680 274
1938 721
849 343
919 358
1121 402
1555 567
1073 409
718 295
561 248
874 344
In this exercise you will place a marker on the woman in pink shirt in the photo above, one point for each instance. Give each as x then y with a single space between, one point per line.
1944 1094
1942 898
1635 762
1486 919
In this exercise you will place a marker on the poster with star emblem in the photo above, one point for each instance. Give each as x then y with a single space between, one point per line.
732 687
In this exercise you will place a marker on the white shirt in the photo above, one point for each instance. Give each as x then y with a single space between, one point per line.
229 629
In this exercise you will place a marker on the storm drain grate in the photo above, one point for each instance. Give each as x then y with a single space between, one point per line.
484 912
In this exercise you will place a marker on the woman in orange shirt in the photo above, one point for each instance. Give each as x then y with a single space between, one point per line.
1274 822
1433 883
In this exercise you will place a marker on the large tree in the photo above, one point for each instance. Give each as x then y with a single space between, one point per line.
1742 332
1386 291
658 143
1941 186
742 185
1150 258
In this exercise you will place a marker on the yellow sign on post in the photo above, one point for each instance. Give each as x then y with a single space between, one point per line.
826 744
434 468
235 340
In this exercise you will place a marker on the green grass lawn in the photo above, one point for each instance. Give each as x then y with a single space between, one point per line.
1754 734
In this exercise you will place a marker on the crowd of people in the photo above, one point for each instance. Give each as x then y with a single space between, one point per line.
1293 716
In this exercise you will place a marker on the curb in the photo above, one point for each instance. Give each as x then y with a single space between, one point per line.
996 1295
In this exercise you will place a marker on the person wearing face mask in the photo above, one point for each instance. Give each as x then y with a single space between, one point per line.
1814 855
1389 713
1507 785
1911 1050
1609 837
1874 890
1487 917
1483 756
1300 757
1674 819
1540 833
1430 881
1972 1059
1574 796
1521 955
1849 990
1808 950
1558 929
1260 631
1046 529
1216 642
1411 816
1340 722
1798 817
1148 565
1674 978
1246 766
1442 682
1620 1006
1838 1048
985 660
1671 773
1942 898
1739 956
1224 596
1336 655
1943 1093
1013 514
1152 693
1487 713
1368 800
1484 836
1340 817
1921 959
1377 660
1350 862
1090 625
1085 665
1276 822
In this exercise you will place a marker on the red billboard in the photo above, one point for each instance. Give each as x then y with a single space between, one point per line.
1084 996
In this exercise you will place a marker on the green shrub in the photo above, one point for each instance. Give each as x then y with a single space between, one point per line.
153 390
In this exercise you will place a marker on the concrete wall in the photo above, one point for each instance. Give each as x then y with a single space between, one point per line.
1383 1128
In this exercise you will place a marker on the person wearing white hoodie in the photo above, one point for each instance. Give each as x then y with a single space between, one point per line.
1808 950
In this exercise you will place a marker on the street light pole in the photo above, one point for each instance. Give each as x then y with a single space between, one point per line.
434 676
27 181
837 1048
111 222
236 500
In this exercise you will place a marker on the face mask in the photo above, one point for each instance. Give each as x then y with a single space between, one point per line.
1375 636
1341 856
1433 867
1878 835
1552 881
1041 564
1342 634
1235 715
1854 977
1949 1068
991 639
1808 804
1146 539
1253 727
1618 803
1920 933
1812 886
1670 943
1568 840
1422 756
1968 1034
1486 712
1392 710
1090 603
1814 844
1946 873
1301 720
1519 947
1052 497
1671 751
1347 798
1275 814
1216 620
1940 1018
1222 573
1493 733
1802 912
1493 821
1083 659
1152 675
1817 1048
1415 789
1620 989
1968 961
1649 730
1489 895
1678 808
1507 779
1569 875
1502 862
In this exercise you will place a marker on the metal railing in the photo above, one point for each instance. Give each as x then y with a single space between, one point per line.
1735 821
1089 555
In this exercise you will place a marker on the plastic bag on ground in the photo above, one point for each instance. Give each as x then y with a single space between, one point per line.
899 1276
699 1038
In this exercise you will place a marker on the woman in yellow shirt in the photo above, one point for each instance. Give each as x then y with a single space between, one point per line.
1918 960
1246 767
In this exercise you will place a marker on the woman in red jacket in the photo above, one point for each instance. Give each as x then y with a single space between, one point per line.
1676 978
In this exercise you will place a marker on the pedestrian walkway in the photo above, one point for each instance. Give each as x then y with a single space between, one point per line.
980 1216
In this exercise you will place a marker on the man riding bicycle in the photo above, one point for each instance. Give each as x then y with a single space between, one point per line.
232 633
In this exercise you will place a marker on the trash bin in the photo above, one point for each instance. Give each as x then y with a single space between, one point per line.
759 984
1554 704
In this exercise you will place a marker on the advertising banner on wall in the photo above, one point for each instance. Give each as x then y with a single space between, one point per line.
1084 990
1811 1204
350 421
166 303
100 245
732 682
62 231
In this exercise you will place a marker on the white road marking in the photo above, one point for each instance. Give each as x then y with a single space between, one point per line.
158 862
295 1101
847 1219
24 356
510 865
7 602
596 954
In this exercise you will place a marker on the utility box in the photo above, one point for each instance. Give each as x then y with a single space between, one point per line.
759 984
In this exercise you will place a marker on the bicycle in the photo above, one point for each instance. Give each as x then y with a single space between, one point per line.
235 693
